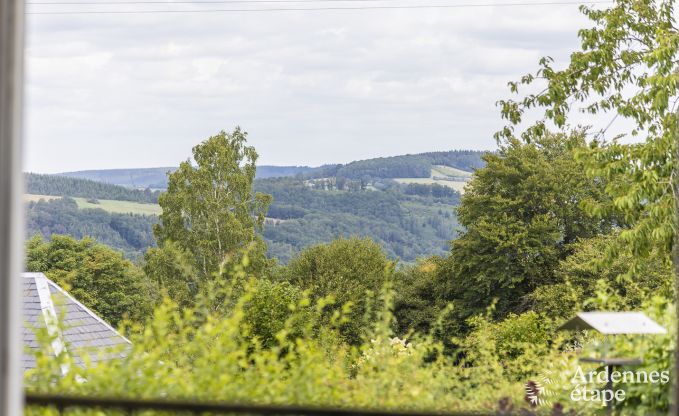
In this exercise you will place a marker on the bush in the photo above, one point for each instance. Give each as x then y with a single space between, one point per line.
349 270
269 308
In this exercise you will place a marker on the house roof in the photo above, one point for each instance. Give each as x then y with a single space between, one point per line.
614 323
74 327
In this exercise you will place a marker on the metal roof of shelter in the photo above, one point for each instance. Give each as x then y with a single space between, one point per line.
611 323
83 331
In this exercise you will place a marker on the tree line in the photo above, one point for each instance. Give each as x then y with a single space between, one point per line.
56 185
404 166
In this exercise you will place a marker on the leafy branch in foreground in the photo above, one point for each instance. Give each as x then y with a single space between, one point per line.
627 68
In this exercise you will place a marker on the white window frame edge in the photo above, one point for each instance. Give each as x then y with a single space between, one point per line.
11 205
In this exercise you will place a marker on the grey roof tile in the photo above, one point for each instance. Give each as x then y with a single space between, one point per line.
83 333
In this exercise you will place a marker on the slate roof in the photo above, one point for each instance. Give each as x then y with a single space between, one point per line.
81 332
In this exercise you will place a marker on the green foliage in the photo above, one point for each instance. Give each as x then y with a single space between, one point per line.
350 270
209 210
558 300
655 351
633 280
405 226
519 332
418 302
130 233
435 190
521 212
521 340
404 166
199 355
172 269
626 66
65 186
658 353
268 310
387 167
270 344
94 274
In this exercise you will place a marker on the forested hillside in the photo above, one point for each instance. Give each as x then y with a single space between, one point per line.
404 166
156 178
316 205
407 222
55 185
129 233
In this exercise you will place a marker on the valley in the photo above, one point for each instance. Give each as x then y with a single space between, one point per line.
404 203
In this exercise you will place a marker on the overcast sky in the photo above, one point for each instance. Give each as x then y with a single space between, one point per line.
310 87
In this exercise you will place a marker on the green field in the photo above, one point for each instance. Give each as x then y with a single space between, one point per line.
36 198
119 207
439 170
442 175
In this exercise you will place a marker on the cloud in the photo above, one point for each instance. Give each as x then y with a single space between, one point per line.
311 87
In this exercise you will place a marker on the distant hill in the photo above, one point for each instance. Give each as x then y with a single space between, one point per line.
393 167
403 166
54 185
408 221
405 203
156 178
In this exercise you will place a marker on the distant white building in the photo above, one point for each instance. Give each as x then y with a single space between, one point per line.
81 331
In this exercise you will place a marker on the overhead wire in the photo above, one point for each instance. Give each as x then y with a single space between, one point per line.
277 9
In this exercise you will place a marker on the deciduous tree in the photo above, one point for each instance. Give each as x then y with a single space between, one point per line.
95 275
520 214
625 69
346 269
209 209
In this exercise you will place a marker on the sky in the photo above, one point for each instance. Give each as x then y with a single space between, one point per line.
310 87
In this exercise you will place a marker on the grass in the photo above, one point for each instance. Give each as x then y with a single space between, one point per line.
440 170
119 207
36 198
442 175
